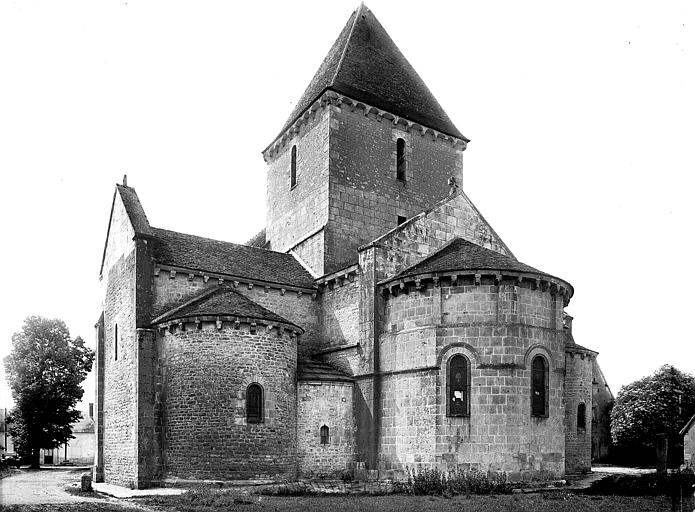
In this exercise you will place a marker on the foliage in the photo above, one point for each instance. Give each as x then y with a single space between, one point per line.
650 406
424 481
45 370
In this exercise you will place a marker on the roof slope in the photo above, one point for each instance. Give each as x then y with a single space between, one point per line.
135 211
460 254
205 254
222 301
313 370
365 64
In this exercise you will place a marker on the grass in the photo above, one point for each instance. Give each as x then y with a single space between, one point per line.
213 501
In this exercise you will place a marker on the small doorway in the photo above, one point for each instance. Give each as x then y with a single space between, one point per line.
48 456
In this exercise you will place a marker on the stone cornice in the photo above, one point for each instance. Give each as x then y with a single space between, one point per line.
173 272
227 322
338 278
544 282
330 97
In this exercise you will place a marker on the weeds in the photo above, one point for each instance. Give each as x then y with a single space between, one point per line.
436 482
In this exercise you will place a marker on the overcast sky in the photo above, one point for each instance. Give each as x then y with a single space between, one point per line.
581 117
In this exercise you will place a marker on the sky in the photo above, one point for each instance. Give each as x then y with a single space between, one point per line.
581 117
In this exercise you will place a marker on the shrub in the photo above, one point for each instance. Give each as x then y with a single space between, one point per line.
424 481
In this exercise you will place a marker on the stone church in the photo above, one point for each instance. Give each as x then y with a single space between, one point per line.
378 322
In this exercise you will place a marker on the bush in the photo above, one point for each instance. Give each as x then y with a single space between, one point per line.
434 481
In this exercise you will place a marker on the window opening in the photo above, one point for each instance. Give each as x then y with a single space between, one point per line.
458 380
581 417
324 435
293 168
401 219
400 160
115 342
254 403
539 383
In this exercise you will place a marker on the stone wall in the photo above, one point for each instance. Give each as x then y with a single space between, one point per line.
329 404
294 213
499 328
602 403
339 314
578 390
365 197
119 413
205 374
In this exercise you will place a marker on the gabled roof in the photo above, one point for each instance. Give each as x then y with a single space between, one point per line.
687 426
205 254
314 370
222 301
135 212
365 64
258 240
460 254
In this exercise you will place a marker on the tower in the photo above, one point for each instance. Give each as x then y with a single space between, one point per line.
366 147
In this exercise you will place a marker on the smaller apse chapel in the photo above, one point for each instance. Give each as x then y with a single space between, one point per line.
377 323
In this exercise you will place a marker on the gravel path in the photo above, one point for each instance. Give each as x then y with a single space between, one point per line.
30 487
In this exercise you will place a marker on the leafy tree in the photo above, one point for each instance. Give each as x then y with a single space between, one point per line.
45 370
660 403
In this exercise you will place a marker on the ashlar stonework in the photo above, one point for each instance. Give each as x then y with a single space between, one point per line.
378 321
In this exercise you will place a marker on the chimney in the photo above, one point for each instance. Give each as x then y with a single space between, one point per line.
91 410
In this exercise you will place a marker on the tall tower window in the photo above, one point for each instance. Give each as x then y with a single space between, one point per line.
293 168
400 160
458 386
539 387
115 342
581 418
324 435
254 403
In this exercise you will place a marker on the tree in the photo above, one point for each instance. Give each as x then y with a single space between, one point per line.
657 404
45 370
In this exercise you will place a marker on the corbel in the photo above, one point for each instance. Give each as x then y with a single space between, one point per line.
454 279
299 293
519 280
220 281
267 289
379 116
171 328
282 291
538 283
198 324
252 328
498 279
402 287
235 284
206 278
172 274
191 276
435 280
423 131
351 277
269 328
182 326
237 324
250 286
156 271
417 285
218 323
477 279
314 295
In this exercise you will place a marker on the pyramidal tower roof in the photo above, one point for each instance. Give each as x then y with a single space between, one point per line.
365 64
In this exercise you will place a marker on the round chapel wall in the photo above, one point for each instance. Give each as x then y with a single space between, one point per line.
491 331
208 377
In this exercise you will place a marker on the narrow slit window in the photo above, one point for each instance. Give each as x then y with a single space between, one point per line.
539 387
400 160
293 167
115 342
458 384
254 403
325 437
581 417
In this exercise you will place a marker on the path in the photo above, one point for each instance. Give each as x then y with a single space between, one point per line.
30 487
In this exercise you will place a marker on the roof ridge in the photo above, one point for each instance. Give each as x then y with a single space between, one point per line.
347 43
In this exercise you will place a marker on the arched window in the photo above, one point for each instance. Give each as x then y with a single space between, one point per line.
400 160
293 167
539 387
458 386
254 403
324 435
115 342
581 417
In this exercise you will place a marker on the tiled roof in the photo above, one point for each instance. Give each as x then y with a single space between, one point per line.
222 301
136 212
461 254
204 254
313 370
257 240
365 64
577 346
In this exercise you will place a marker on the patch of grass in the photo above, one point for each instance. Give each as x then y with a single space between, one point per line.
560 501
435 482
64 507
